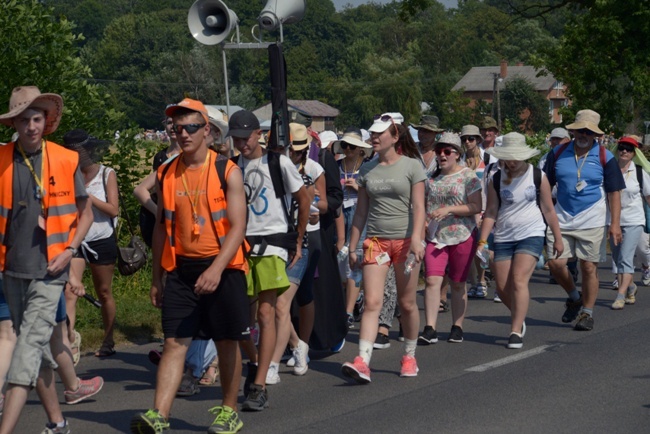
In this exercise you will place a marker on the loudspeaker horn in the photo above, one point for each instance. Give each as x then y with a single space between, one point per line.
210 21
281 11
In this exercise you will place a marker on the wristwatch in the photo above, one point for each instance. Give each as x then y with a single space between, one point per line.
73 250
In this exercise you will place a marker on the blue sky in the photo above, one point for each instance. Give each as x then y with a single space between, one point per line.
339 4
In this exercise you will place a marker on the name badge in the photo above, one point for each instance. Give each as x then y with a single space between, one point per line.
348 203
581 185
382 258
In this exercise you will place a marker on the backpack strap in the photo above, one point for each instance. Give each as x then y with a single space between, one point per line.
602 154
496 183
486 158
639 178
537 180
220 164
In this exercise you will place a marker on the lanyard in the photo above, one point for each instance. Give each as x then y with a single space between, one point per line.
579 166
39 191
194 199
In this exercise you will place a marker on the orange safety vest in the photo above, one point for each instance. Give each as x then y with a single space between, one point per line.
60 198
216 203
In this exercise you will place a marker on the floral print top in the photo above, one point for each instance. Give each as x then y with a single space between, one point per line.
450 190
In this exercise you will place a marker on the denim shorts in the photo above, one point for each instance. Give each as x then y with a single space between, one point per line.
296 272
506 251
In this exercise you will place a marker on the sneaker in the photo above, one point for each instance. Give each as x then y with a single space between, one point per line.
251 372
150 422
272 375
456 335
292 360
618 304
572 310
409 367
350 321
86 389
357 370
188 387
227 420
630 295
471 292
336 348
51 428
615 284
257 399
400 335
515 341
585 322
382 342
646 276
155 356
428 336
481 291
300 355
496 298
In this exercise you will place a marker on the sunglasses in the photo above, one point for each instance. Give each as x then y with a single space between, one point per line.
469 139
384 118
586 132
302 151
446 151
626 148
345 145
190 128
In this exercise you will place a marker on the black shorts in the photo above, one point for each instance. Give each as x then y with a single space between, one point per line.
106 250
222 315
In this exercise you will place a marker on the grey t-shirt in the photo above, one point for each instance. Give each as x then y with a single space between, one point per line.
26 244
389 191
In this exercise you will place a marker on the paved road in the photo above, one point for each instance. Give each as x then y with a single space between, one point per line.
561 381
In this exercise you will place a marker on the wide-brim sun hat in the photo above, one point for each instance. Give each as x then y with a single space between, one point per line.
513 148
90 149
383 121
299 136
215 118
450 139
352 136
25 97
588 119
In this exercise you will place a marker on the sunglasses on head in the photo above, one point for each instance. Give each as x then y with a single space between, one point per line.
190 128
383 118
346 145
446 151
626 148
586 132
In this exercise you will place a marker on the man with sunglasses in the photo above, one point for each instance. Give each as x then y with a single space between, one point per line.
588 181
198 240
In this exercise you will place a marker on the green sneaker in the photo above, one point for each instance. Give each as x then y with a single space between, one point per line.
227 421
150 422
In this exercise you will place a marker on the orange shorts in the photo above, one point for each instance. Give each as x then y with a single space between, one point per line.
397 250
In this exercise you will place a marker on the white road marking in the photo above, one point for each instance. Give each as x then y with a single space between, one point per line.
510 359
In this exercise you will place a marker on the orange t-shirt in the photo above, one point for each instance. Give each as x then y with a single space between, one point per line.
189 244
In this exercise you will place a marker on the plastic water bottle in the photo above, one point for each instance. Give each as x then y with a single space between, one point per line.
314 205
410 261
343 253
483 254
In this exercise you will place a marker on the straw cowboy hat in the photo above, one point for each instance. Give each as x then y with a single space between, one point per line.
451 139
588 119
300 138
25 97
352 136
513 148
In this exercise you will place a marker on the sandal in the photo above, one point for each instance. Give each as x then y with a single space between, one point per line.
106 350
209 379
444 306
75 348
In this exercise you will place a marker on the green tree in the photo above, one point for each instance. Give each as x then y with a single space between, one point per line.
524 107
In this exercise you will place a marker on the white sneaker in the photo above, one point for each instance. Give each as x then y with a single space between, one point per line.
300 355
292 361
497 299
272 375
646 276
615 284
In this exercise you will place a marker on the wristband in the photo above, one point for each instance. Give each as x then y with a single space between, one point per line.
481 243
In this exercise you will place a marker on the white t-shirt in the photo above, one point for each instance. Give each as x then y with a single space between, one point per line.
313 171
102 226
519 217
266 213
632 212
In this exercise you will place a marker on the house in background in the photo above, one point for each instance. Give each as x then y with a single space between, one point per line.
481 82
322 115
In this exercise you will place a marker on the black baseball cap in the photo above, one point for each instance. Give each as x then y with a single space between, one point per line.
242 124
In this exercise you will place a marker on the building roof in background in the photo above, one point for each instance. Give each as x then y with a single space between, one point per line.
481 78
313 108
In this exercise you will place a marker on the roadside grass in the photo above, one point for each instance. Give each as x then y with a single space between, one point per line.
137 320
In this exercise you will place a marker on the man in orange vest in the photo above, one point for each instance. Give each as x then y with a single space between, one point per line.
199 240
44 216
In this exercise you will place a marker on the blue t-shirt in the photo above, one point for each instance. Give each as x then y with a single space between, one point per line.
584 208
